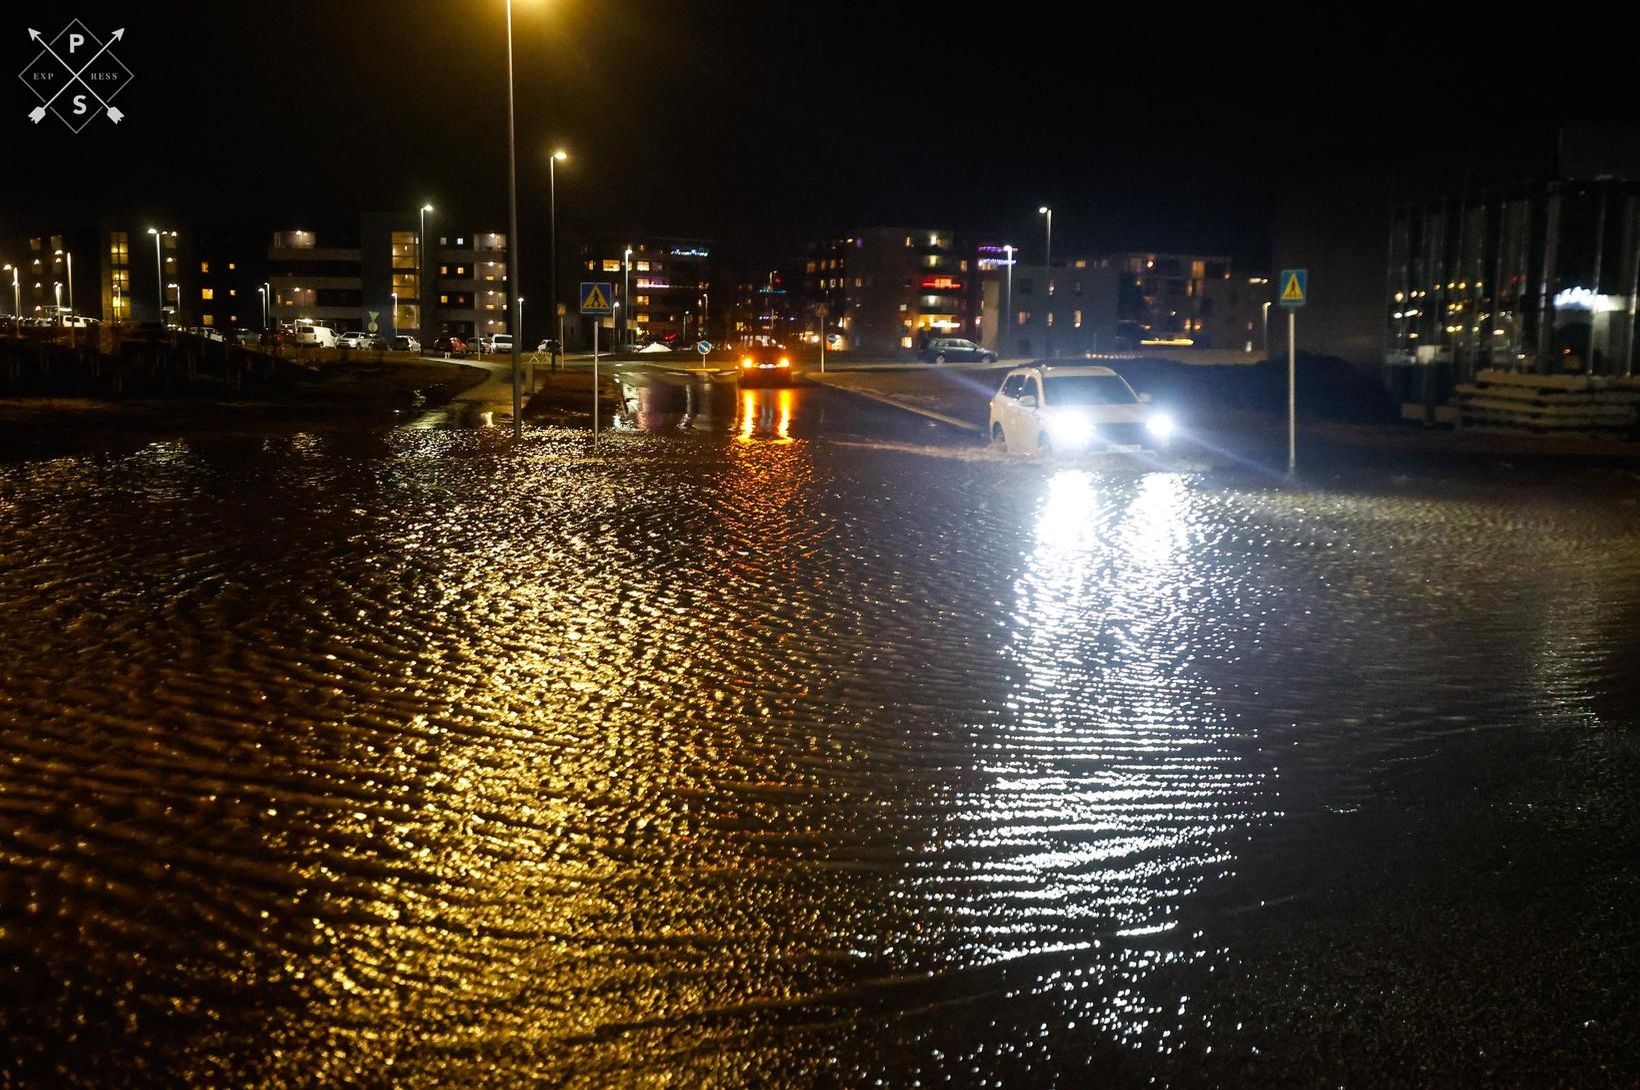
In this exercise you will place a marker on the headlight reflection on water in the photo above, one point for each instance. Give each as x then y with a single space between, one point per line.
1111 786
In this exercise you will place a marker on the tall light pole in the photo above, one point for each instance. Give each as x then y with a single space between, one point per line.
1047 260
178 289
263 292
626 289
513 277
1266 344
1008 300
423 311
68 256
552 245
16 302
57 290
159 271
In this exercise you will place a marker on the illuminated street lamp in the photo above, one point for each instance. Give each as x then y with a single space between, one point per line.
393 318
68 256
1047 260
552 245
263 292
1008 300
57 289
626 288
16 301
178 310
1266 345
513 266
421 269
159 270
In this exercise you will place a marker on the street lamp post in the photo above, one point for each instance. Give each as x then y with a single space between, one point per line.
552 246
1047 260
263 292
68 256
1007 300
178 311
159 274
626 288
16 302
1266 344
423 310
514 280
57 290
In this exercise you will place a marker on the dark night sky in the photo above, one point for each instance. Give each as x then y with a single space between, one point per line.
761 124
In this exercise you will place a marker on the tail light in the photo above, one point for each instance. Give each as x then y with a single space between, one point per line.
784 362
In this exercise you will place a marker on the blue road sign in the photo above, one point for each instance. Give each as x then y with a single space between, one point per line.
1294 287
596 296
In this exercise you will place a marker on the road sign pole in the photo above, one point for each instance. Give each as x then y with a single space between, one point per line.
596 323
1292 390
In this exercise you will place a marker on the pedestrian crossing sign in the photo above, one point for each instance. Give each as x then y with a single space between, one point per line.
595 297
1295 287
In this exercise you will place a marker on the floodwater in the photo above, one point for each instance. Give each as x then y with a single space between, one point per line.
808 750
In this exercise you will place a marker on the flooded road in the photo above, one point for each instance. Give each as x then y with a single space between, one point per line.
807 750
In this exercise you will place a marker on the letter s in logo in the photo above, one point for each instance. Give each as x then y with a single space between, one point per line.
79 104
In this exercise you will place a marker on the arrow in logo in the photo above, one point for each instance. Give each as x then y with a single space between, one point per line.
38 114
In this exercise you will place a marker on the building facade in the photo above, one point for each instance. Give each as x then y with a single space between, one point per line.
352 275
1537 278
885 289
663 287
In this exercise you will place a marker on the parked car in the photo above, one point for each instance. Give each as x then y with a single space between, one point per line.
549 345
353 338
478 344
315 335
406 343
1045 408
242 335
450 345
501 342
955 350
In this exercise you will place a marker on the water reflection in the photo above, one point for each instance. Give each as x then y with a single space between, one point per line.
766 414
659 401
1111 788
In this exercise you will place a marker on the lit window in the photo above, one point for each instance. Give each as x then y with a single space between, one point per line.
204 266
1078 319
233 291
208 319
611 265
232 266
444 298
207 293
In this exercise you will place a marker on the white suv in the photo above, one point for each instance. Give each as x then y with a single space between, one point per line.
1044 408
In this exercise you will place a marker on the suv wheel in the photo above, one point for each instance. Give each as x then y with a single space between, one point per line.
939 357
998 440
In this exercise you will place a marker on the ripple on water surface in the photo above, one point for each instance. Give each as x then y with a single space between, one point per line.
414 758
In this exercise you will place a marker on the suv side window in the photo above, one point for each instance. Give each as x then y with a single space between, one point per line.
1014 386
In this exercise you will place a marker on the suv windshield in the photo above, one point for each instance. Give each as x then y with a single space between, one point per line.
1088 390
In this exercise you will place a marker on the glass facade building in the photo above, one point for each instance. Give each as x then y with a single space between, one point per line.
1538 278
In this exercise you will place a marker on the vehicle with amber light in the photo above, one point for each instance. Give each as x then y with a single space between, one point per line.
765 365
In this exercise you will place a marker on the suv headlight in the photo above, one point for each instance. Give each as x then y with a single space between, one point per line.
1067 427
1160 425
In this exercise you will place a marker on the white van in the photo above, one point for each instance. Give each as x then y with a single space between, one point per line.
311 333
